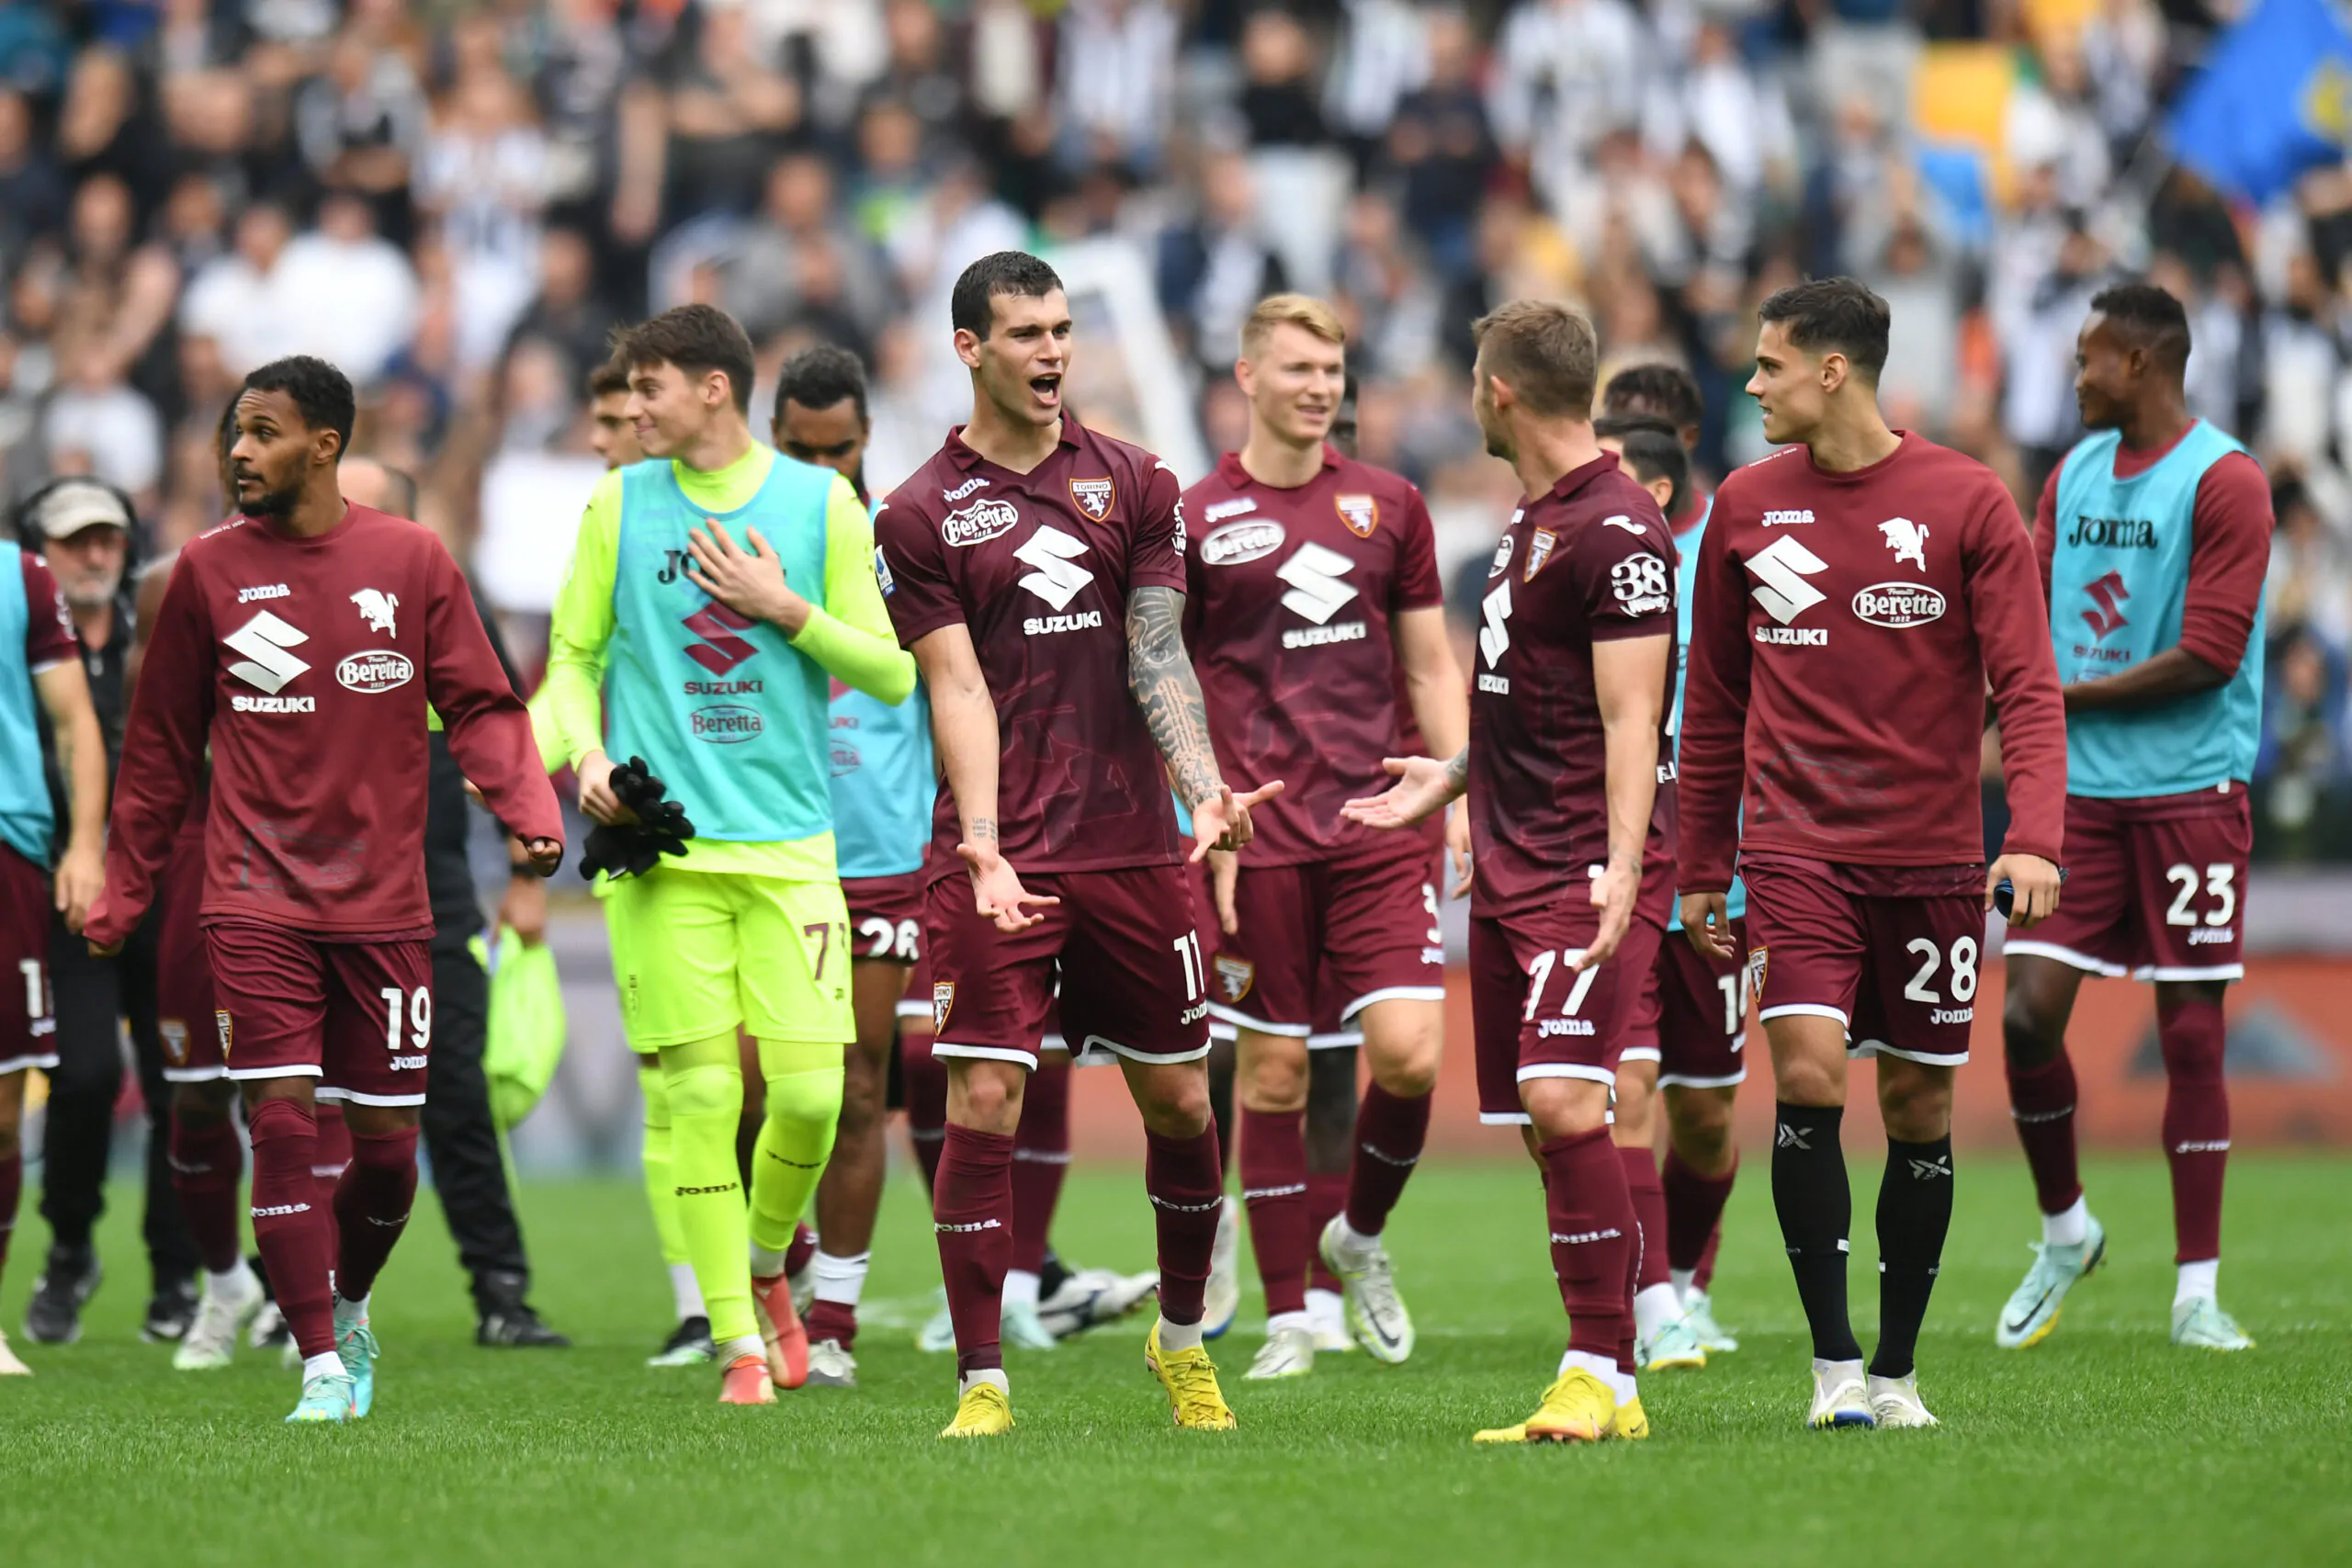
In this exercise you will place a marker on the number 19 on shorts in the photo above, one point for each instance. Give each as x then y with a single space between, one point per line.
414 1010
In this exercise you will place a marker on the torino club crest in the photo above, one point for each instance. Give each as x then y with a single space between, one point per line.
1093 497
1360 512
943 1003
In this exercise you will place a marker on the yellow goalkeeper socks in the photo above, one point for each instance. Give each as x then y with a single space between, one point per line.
705 1102
804 1108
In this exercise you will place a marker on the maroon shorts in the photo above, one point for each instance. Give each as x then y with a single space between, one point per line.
29 1018
357 1016
1360 932
1702 1004
1534 1016
2154 887
1894 953
886 915
1122 943
183 1001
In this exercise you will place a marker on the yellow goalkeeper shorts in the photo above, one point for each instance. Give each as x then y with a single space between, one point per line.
697 954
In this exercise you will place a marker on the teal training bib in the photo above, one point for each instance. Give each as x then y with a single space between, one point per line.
721 707
2119 581
26 823
1686 584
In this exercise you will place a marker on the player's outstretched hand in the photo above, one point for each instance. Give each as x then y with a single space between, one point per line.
750 582
1706 920
1225 870
597 801
997 891
2035 881
1421 787
1457 843
1612 894
1222 821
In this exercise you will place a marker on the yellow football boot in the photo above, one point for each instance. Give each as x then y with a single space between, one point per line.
985 1411
1193 1399
1632 1422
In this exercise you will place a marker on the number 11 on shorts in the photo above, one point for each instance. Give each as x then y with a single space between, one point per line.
1188 948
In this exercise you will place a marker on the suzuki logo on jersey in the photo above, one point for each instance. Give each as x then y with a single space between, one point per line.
978 523
2105 613
1907 539
1494 633
1058 578
375 609
1360 512
720 650
263 641
1094 497
1316 591
1781 569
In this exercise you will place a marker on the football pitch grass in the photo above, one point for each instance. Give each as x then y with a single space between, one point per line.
2103 1446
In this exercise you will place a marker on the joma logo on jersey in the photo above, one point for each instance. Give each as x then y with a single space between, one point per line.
979 522
969 487
720 650
1786 519
2113 533
2105 613
1360 512
1058 577
1094 497
263 641
1222 510
267 590
1781 569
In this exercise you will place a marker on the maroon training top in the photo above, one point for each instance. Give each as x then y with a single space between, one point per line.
1843 631
307 665
1290 614
1037 566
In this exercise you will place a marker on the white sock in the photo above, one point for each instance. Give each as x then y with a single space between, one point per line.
841 1280
1350 1241
1300 1320
2198 1280
766 1265
349 1314
1325 1304
1021 1287
236 1281
1603 1367
1686 1282
1179 1336
964 1384
1655 1307
327 1366
735 1350
2071 1226
1621 1385
685 1291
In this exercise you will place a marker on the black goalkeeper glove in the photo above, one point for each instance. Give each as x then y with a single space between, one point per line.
633 848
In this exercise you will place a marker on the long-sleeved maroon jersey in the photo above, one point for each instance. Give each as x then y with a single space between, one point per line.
1841 635
307 666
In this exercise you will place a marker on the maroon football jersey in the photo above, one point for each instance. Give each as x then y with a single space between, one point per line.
1844 632
1587 561
1038 566
307 666
1288 614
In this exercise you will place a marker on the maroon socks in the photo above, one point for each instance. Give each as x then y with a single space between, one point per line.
926 1086
1185 1181
1694 1211
2196 1122
1389 1136
206 1161
1593 1238
1040 1160
2042 1103
371 1206
290 1223
971 1209
1274 1187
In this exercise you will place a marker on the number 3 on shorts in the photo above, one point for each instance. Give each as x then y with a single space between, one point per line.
419 1005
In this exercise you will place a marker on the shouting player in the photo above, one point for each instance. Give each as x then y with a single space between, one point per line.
1312 585
1036 570
1700 1000
302 641
711 652
1567 726
2153 536
1856 593
882 784
41 670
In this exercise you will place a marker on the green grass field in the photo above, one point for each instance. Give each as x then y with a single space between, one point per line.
2104 1446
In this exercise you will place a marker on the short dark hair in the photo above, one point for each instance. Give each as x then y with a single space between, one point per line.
697 339
1547 352
1835 315
821 377
321 393
610 376
1666 390
972 308
1653 450
2151 316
